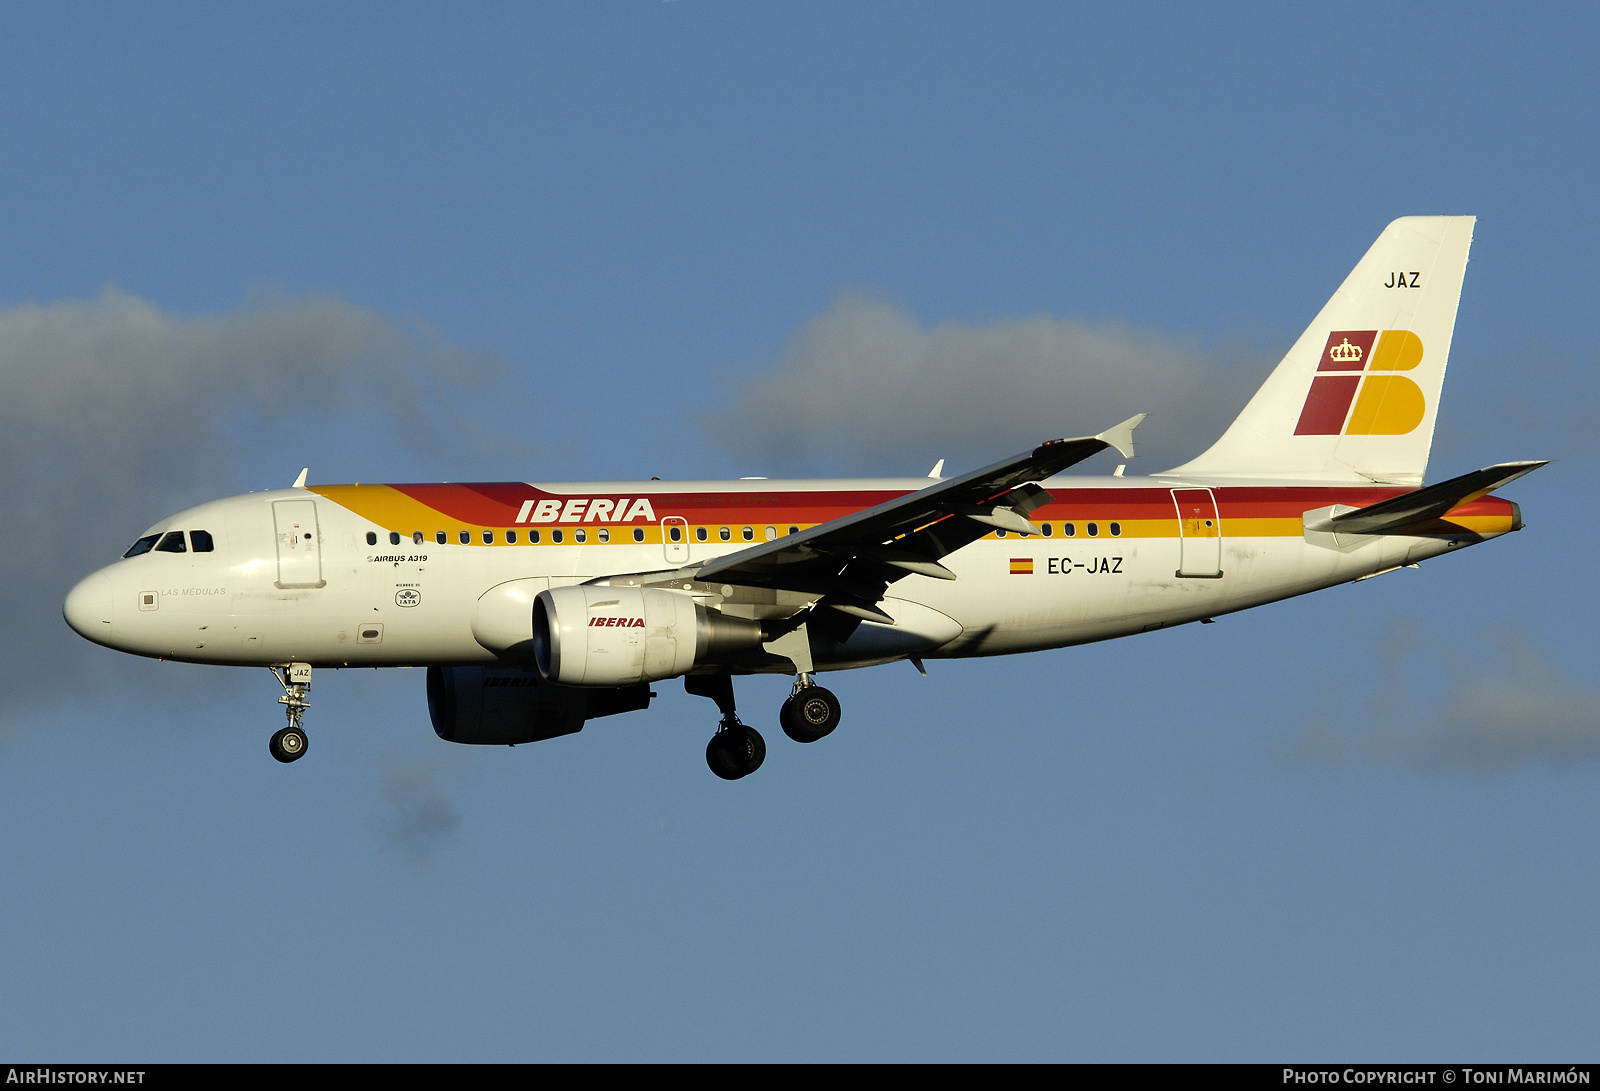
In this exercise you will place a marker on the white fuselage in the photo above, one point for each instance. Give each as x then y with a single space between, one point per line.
430 603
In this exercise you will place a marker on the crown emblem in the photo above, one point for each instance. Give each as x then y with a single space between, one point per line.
1345 352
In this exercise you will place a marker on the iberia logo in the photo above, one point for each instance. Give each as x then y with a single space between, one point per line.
1388 405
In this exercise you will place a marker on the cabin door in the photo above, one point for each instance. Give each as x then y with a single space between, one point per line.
299 543
1200 533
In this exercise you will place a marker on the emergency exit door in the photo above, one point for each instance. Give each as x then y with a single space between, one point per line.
299 543
1199 533
675 539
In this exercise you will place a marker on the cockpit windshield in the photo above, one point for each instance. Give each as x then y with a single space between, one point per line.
172 542
143 545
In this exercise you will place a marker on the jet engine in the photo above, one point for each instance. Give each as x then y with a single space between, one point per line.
617 636
504 707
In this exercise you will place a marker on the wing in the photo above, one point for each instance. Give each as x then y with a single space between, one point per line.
847 564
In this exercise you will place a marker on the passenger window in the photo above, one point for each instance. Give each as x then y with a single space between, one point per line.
533 537
772 534
699 534
999 534
171 542
1047 531
511 537
555 536
794 530
465 537
372 537
1094 530
603 534
748 534
416 537
394 537
580 536
143 545
1116 530
200 541
675 533
725 534
488 537
638 534
1069 529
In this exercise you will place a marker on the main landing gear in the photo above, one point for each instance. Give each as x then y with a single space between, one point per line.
289 743
810 712
737 750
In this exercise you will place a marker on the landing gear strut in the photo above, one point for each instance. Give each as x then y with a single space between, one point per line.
810 712
736 750
289 743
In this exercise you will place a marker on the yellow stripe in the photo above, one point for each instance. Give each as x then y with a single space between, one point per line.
1482 524
393 510
388 507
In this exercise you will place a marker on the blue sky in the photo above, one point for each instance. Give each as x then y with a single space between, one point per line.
608 241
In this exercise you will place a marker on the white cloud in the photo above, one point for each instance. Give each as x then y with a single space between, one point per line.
1493 709
866 387
114 413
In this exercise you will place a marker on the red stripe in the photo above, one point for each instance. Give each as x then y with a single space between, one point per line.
1327 405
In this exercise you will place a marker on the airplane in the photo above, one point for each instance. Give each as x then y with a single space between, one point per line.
538 607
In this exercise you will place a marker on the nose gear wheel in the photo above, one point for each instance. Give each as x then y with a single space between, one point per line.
288 744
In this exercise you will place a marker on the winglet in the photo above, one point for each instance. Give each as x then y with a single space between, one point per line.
1121 436
300 482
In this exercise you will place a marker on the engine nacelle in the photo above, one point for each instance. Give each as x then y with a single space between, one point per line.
499 707
617 636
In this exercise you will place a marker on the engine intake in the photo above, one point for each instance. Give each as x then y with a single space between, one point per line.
496 707
616 636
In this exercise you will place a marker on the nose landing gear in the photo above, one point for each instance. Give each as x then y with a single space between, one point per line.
289 743
810 712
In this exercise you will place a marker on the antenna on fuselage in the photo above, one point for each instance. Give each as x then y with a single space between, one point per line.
300 482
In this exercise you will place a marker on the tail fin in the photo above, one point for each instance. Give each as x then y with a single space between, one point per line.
1355 398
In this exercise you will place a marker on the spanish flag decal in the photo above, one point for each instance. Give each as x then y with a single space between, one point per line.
1022 566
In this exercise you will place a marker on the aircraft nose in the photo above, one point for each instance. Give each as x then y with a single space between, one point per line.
88 608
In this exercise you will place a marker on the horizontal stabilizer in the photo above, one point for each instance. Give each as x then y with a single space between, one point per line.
1397 514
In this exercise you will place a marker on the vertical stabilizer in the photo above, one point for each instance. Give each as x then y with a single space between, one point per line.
1355 398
